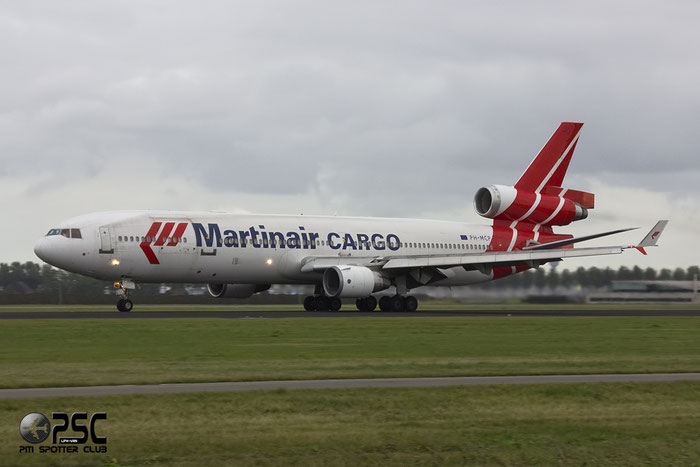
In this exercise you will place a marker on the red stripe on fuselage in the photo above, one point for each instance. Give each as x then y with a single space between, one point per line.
164 234
178 234
146 244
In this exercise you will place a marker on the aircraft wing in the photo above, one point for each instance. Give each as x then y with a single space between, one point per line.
500 258
533 256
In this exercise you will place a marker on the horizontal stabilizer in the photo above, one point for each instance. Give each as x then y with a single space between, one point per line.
570 241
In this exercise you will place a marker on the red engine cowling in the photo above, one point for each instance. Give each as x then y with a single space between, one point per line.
508 203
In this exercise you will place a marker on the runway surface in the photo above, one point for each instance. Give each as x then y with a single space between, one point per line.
27 393
333 314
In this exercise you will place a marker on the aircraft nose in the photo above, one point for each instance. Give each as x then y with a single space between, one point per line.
40 249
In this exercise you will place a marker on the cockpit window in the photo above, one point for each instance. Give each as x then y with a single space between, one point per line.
68 233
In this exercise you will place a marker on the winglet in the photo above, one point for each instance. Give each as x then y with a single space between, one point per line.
653 236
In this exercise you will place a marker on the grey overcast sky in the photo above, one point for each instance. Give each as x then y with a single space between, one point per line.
389 108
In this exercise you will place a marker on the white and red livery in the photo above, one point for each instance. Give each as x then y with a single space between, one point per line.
238 255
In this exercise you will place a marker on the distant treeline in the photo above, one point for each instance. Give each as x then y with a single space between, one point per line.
33 283
590 278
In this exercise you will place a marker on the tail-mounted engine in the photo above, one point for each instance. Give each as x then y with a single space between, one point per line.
551 206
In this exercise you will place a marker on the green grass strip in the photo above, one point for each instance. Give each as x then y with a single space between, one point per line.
580 424
101 352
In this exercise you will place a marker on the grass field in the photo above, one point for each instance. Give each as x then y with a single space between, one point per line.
95 352
581 424
572 424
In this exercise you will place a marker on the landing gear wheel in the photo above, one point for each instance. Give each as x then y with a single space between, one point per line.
125 305
410 303
334 304
396 303
321 303
385 303
366 304
309 303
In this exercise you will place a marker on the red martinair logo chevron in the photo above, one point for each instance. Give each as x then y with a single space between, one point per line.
154 238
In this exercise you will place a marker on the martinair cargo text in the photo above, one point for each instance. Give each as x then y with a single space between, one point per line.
344 257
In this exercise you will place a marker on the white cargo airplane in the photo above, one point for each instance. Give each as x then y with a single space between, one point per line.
238 255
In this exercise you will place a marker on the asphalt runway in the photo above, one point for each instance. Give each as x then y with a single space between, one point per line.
333 314
122 390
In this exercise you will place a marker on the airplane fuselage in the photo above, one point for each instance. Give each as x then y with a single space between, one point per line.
204 247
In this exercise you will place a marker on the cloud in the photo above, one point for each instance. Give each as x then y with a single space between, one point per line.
392 109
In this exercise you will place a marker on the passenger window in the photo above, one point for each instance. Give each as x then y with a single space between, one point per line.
119 238
184 239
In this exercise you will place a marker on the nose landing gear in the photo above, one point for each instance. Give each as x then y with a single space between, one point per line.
124 304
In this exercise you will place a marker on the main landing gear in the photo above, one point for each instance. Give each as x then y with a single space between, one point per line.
366 304
397 303
322 303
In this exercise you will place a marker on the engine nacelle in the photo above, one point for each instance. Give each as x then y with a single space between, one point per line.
352 281
508 203
235 290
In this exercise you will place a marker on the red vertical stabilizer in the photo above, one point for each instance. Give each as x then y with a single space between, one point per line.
549 166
